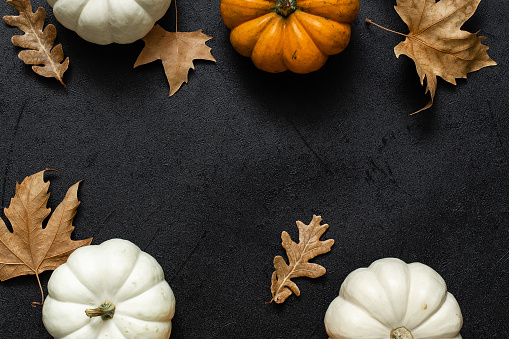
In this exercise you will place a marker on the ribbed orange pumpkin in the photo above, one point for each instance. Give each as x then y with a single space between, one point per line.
298 35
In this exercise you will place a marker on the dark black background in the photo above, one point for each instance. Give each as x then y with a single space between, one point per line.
206 181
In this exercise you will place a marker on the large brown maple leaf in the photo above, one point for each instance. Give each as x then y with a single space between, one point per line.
30 248
436 42
176 50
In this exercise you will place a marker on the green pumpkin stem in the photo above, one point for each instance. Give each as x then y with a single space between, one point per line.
286 7
105 311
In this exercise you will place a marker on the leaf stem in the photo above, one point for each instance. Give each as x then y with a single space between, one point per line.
382 27
175 4
36 303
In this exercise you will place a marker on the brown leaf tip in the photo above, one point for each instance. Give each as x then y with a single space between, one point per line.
299 254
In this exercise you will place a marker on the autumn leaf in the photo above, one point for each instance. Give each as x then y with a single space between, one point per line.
176 50
309 246
30 248
436 42
37 40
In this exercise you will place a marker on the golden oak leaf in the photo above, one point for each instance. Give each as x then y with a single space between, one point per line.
436 42
176 50
30 248
37 40
309 246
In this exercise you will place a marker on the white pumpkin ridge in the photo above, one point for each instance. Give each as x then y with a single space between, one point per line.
373 302
116 271
109 21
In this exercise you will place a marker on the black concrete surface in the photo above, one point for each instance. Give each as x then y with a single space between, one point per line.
206 181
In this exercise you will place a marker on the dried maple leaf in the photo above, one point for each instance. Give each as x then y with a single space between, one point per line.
176 50
30 248
436 42
309 246
39 42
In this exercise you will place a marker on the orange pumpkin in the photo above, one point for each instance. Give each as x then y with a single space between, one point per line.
298 35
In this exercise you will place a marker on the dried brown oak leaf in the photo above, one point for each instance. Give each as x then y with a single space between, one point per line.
30 248
176 50
309 246
37 40
436 42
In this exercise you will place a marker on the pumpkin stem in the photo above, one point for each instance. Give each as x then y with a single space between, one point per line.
401 333
286 7
105 311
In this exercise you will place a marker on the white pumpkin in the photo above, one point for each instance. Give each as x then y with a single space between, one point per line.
393 300
112 290
106 21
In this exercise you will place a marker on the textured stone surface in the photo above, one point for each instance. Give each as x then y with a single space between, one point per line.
206 181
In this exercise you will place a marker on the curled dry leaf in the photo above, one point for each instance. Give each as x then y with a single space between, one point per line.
176 50
37 40
436 42
309 246
30 248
